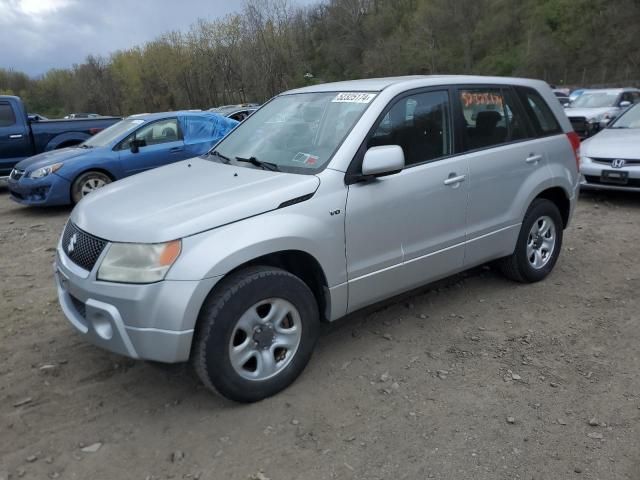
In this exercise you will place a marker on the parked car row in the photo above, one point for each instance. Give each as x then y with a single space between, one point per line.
133 145
57 162
611 159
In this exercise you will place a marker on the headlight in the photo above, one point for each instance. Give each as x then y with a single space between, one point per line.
44 171
138 262
606 116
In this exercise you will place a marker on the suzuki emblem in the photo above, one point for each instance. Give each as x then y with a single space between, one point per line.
618 163
72 243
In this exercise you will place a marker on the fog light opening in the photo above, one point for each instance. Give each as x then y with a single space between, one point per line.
102 327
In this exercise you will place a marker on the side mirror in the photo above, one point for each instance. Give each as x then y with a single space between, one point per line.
625 104
136 144
383 160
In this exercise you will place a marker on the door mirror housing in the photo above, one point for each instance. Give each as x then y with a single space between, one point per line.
136 144
383 160
625 104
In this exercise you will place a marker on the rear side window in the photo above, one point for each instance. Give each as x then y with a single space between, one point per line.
539 113
491 117
7 117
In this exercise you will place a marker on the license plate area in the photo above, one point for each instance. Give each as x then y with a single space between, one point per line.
614 176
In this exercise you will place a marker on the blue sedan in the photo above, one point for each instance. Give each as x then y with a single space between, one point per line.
133 145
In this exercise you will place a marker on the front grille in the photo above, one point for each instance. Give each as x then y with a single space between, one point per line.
16 174
632 182
83 249
607 161
580 125
79 305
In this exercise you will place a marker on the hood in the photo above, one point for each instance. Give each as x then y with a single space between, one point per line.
49 158
185 198
613 143
588 112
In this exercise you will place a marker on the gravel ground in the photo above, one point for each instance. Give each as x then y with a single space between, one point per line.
472 378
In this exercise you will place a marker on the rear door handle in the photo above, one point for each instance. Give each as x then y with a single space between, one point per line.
16 135
533 158
175 149
454 180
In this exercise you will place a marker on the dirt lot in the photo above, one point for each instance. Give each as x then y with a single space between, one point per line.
474 378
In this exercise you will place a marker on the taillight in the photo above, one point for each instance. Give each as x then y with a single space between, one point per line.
93 131
574 140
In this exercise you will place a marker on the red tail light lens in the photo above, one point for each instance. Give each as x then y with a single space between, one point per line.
93 131
574 140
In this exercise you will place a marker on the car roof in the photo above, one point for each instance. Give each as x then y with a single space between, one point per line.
611 90
160 115
410 81
228 109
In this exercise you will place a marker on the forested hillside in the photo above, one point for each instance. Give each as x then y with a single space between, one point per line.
272 46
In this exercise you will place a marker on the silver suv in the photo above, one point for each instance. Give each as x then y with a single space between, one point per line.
327 199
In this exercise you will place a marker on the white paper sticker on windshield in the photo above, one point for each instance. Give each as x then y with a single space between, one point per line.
354 97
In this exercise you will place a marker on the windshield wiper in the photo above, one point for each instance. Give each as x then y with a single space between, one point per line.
259 163
219 155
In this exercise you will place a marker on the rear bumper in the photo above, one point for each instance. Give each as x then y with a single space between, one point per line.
50 190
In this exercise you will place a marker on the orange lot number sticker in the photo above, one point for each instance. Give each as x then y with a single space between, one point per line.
470 99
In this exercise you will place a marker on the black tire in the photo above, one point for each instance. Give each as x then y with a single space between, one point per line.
84 178
517 266
234 296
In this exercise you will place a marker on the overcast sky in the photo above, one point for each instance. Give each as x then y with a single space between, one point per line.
36 35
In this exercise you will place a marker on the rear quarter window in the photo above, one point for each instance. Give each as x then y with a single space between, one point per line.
539 113
7 117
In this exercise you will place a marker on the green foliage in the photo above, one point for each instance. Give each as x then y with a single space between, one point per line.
272 46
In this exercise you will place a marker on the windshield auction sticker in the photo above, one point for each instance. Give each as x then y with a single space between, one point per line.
354 97
305 158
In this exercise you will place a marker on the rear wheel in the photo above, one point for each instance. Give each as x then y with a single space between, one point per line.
255 334
87 183
538 245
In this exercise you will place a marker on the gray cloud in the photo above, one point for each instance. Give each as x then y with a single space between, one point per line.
36 35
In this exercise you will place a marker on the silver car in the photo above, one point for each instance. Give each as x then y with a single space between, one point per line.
611 159
594 109
327 199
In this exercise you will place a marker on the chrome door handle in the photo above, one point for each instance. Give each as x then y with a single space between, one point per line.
16 135
533 158
454 180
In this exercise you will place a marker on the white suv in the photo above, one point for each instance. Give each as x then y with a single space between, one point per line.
327 199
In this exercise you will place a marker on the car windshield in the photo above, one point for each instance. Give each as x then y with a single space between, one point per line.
297 133
595 100
630 119
112 133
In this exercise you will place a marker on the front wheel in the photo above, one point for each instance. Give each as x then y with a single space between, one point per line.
255 334
538 245
87 183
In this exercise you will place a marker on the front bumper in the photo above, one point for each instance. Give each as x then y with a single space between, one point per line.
585 128
147 321
49 190
592 179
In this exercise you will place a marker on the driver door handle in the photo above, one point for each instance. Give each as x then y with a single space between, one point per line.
176 149
533 158
15 136
454 180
